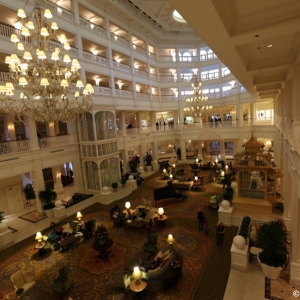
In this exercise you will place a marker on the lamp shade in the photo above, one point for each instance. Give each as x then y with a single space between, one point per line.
170 239
67 58
21 13
44 82
64 83
9 86
67 46
161 211
137 274
44 31
79 216
38 237
14 38
54 56
42 55
196 178
79 84
7 59
47 14
127 205
30 25
62 38
22 81
27 55
25 31
20 47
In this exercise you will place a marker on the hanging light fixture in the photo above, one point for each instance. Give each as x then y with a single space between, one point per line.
46 80
197 103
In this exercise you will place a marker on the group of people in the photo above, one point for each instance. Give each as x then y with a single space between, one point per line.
203 225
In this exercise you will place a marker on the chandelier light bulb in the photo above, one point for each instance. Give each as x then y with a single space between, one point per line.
14 38
54 56
89 88
21 13
41 55
67 58
64 83
67 46
8 59
20 47
22 81
85 92
79 84
77 94
76 63
27 55
30 25
18 25
73 69
9 86
47 14
25 31
62 38
54 26
57 50
44 82
14 58
44 31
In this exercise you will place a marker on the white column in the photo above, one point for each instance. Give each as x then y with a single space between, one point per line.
296 107
38 182
31 133
78 174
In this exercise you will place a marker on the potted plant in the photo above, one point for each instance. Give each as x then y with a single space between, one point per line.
114 186
3 226
279 208
29 192
271 238
1 216
48 198
148 161
123 181
133 166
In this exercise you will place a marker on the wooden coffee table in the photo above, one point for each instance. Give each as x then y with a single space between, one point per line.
103 248
69 240
162 219
41 247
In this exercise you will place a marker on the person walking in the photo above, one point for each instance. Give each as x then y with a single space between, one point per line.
220 231
206 228
201 219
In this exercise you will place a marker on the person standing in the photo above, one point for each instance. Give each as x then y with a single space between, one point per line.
220 231
201 219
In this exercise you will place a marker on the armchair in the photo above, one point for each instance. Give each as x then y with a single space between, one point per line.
151 245
62 282
21 280
120 280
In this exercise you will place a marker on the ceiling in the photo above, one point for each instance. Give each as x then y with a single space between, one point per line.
259 41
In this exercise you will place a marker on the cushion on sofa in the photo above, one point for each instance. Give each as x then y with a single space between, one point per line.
67 228
154 270
165 254
167 257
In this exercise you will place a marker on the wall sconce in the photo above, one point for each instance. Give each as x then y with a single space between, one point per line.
161 211
97 80
170 239
51 124
95 52
92 26
11 127
79 216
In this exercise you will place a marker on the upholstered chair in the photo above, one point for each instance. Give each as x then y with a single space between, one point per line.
62 282
120 280
21 280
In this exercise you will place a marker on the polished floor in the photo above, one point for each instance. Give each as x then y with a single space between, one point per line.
249 285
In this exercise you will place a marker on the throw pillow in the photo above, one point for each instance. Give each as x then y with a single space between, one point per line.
67 228
165 254
167 257
158 255
154 270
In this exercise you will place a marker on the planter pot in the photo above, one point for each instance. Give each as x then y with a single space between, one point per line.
49 213
270 272
148 168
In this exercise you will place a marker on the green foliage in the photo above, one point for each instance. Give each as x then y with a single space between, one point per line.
29 192
279 207
245 227
114 185
123 180
47 198
228 195
271 237
132 165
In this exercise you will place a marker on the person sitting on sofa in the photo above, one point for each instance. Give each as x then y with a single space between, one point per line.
54 236
151 265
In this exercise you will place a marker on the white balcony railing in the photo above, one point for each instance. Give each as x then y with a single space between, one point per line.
122 67
123 93
95 58
8 147
119 39
92 27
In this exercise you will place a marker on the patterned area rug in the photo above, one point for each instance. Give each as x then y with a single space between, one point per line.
33 216
92 276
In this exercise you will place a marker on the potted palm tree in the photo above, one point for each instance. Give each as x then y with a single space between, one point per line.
271 238
29 193
114 186
48 198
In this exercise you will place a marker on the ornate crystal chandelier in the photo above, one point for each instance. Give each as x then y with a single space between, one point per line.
196 103
44 75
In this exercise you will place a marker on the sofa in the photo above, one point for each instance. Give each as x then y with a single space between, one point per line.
155 280
53 236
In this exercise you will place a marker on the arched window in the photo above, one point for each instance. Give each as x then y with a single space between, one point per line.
105 125
186 57
203 55
91 175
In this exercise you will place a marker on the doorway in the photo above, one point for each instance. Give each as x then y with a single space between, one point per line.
14 199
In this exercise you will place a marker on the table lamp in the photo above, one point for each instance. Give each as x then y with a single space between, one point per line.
161 211
171 176
197 160
196 178
222 173
170 239
127 205
137 274
79 216
38 237
226 168
174 166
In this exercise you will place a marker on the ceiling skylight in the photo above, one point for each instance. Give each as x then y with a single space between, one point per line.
177 17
